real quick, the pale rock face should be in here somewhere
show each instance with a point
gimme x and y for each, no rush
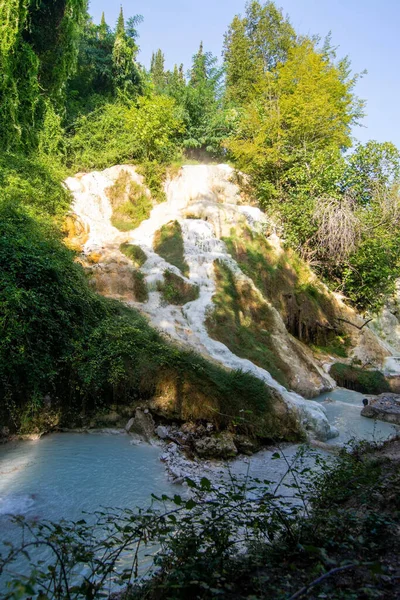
(387, 323)
(208, 194)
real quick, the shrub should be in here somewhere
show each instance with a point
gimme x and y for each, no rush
(331, 533)
(45, 307)
(140, 287)
(145, 130)
(33, 183)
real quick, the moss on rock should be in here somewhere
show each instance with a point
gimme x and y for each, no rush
(168, 243)
(176, 290)
(359, 379)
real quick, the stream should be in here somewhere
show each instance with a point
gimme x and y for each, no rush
(64, 475)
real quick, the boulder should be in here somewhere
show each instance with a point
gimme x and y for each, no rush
(216, 446)
(142, 424)
(385, 407)
(246, 445)
(162, 432)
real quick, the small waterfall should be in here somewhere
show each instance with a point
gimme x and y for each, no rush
(213, 202)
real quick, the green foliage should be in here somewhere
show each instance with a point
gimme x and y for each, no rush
(35, 183)
(176, 290)
(359, 379)
(158, 75)
(130, 203)
(126, 74)
(154, 175)
(140, 287)
(168, 243)
(242, 321)
(253, 45)
(118, 133)
(338, 346)
(371, 273)
(371, 167)
(38, 51)
(135, 253)
(45, 307)
(303, 106)
(201, 101)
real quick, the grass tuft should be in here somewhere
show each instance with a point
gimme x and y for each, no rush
(134, 253)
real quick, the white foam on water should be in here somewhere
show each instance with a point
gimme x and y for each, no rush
(16, 504)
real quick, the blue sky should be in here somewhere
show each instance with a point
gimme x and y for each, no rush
(366, 30)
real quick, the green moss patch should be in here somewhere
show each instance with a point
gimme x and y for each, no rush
(242, 321)
(176, 290)
(168, 243)
(130, 203)
(287, 282)
(134, 253)
(140, 287)
(359, 379)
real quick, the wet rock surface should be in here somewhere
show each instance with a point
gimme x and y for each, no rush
(385, 407)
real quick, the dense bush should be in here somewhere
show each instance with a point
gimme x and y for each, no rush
(122, 132)
(45, 307)
(33, 183)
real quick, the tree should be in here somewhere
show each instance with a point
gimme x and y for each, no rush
(127, 77)
(38, 51)
(157, 71)
(270, 33)
(303, 107)
(103, 28)
(375, 165)
(240, 67)
(120, 28)
(253, 46)
(202, 99)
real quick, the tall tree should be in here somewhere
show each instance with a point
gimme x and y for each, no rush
(202, 98)
(303, 107)
(103, 28)
(158, 72)
(38, 51)
(126, 72)
(253, 46)
(240, 65)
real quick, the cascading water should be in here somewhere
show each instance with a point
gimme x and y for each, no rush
(208, 192)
